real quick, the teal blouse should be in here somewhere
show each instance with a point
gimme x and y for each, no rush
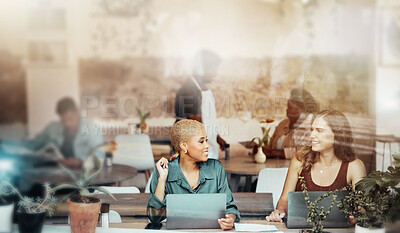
(212, 179)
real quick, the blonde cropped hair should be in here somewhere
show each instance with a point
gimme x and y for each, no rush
(183, 130)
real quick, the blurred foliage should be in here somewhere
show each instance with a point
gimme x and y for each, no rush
(375, 200)
(316, 213)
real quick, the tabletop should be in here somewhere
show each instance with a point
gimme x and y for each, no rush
(139, 226)
(54, 175)
(245, 165)
(280, 226)
(250, 205)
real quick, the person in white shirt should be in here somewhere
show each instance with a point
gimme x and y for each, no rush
(194, 100)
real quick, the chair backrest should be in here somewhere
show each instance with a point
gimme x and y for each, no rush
(147, 189)
(114, 217)
(271, 180)
(135, 151)
(124, 189)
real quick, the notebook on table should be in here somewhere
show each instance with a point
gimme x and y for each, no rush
(297, 211)
(195, 211)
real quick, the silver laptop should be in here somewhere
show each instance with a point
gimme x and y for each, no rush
(195, 211)
(297, 211)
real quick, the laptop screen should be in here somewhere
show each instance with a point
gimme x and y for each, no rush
(297, 210)
(195, 211)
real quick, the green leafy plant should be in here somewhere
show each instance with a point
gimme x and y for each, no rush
(27, 204)
(81, 187)
(264, 140)
(142, 116)
(6, 191)
(375, 200)
(317, 214)
(38, 205)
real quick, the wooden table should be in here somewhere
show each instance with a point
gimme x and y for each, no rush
(250, 205)
(138, 227)
(245, 166)
(54, 175)
(280, 226)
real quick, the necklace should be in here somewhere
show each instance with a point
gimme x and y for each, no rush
(327, 166)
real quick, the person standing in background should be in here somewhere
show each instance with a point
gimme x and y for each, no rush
(194, 100)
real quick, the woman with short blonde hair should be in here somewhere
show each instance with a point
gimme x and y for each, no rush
(190, 171)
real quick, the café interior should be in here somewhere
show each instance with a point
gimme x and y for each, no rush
(123, 63)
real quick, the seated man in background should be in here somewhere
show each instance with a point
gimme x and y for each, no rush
(73, 136)
(293, 131)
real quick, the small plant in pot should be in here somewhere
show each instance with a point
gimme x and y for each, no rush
(375, 200)
(143, 117)
(259, 156)
(7, 196)
(83, 207)
(32, 211)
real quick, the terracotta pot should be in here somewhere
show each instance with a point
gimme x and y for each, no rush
(360, 229)
(143, 127)
(260, 157)
(84, 216)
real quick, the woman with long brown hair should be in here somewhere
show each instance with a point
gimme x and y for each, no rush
(327, 164)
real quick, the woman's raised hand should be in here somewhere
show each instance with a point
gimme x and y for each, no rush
(162, 168)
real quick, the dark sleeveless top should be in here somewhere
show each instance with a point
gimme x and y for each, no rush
(340, 181)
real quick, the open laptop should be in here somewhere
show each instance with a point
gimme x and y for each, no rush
(297, 211)
(195, 211)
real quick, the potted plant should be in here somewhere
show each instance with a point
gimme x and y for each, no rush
(317, 214)
(260, 157)
(375, 200)
(6, 205)
(83, 207)
(32, 211)
(143, 117)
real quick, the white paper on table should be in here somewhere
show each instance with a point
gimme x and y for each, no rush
(254, 227)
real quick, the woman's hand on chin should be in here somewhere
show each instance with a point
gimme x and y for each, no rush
(162, 168)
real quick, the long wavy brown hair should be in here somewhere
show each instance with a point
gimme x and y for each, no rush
(342, 144)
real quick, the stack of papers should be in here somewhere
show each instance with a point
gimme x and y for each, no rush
(254, 227)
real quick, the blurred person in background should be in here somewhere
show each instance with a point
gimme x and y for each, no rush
(194, 100)
(293, 131)
(72, 136)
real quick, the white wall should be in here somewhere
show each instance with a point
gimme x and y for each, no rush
(44, 88)
(387, 96)
(47, 83)
(387, 110)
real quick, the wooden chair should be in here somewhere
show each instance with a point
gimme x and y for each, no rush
(114, 216)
